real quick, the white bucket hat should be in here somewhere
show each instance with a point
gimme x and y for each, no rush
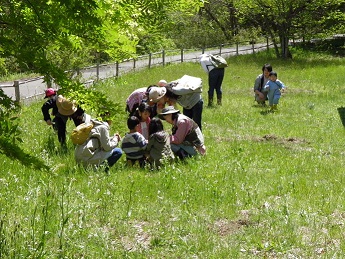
(156, 93)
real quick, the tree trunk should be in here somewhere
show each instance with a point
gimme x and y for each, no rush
(284, 42)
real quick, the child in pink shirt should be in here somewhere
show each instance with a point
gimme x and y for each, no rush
(143, 113)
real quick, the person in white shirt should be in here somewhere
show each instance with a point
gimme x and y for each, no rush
(215, 78)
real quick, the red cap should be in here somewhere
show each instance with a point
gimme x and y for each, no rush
(49, 92)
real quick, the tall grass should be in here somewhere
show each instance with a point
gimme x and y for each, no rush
(270, 186)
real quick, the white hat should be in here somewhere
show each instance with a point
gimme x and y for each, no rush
(162, 82)
(156, 93)
(167, 110)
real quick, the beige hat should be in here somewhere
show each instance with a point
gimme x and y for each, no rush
(162, 82)
(156, 93)
(65, 107)
(167, 110)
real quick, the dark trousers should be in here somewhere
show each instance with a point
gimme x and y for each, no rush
(115, 155)
(215, 80)
(60, 122)
(195, 113)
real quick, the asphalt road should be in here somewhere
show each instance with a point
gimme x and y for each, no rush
(32, 89)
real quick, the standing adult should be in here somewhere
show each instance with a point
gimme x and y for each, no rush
(186, 91)
(215, 78)
(62, 109)
(187, 138)
(260, 82)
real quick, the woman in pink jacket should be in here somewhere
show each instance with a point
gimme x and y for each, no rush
(186, 139)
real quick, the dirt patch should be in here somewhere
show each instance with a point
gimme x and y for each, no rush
(288, 140)
(225, 227)
(139, 240)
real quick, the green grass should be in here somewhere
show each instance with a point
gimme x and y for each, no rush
(13, 77)
(271, 185)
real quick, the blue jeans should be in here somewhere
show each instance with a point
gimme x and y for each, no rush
(195, 113)
(189, 149)
(115, 155)
(215, 80)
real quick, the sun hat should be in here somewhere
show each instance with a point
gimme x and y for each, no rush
(162, 82)
(167, 110)
(65, 107)
(156, 93)
(49, 92)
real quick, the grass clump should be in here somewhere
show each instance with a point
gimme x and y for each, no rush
(270, 186)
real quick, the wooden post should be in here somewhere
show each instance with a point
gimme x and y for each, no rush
(181, 55)
(117, 69)
(268, 47)
(134, 63)
(236, 48)
(16, 90)
(220, 49)
(163, 57)
(253, 47)
(97, 65)
(150, 57)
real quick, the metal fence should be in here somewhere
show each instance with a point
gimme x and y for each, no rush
(31, 89)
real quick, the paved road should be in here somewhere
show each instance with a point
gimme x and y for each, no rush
(34, 88)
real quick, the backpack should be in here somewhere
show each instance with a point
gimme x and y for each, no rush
(81, 133)
(189, 83)
(218, 61)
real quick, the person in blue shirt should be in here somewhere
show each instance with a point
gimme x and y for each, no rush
(273, 87)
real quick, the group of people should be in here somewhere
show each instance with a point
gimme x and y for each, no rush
(146, 141)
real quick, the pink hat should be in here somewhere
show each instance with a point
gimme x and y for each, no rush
(49, 92)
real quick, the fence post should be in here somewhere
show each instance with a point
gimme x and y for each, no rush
(236, 48)
(220, 49)
(134, 63)
(253, 47)
(268, 47)
(16, 90)
(97, 65)
(150, 57)
(117, 69)
(202, 50)
(163, 57)
(181, 55)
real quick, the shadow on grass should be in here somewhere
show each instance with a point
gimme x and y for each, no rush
(266, 112)
(53, 147)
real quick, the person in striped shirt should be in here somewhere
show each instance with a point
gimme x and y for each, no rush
(134, 143)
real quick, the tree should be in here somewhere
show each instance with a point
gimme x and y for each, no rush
(283, 19)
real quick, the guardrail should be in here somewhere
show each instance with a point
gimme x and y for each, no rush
(26, 90)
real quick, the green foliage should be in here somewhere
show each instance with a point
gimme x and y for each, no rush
(289, 19)
(195, 31)
(10, 134)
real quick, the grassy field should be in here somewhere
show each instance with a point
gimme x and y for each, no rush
(271, 185)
